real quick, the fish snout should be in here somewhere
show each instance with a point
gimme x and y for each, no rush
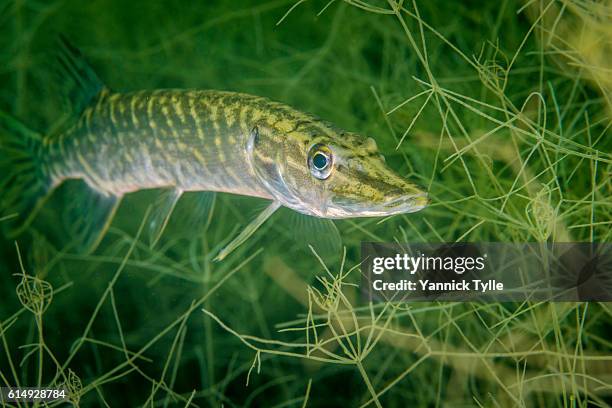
(405, 203)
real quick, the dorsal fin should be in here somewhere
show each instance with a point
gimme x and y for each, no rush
(79, 82)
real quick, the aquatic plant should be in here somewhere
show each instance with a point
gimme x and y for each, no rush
(501, 109)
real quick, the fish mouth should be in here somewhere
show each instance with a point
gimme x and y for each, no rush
(397, 205)
(405, 204)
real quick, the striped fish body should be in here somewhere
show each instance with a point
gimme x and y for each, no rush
(190, 140)
(185, 139)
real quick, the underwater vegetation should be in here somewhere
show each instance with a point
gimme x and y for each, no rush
(501, 111)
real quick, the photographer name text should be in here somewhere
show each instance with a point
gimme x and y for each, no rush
(426, 285)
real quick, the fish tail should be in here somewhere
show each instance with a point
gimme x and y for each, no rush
(23, 182)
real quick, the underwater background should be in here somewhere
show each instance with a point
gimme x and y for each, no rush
(502, 110)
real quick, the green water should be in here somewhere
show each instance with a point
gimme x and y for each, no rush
(130, 326)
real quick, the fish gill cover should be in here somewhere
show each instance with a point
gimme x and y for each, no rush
(501, 111)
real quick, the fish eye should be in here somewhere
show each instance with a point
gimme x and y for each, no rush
(320, 161)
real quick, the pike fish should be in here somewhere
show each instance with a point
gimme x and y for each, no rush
(193, 140)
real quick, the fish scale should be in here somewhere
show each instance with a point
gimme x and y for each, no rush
(197, 140)
(153, 139)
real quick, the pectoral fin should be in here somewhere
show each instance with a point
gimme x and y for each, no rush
(160, 214)
(248, 230)
(320, 234)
